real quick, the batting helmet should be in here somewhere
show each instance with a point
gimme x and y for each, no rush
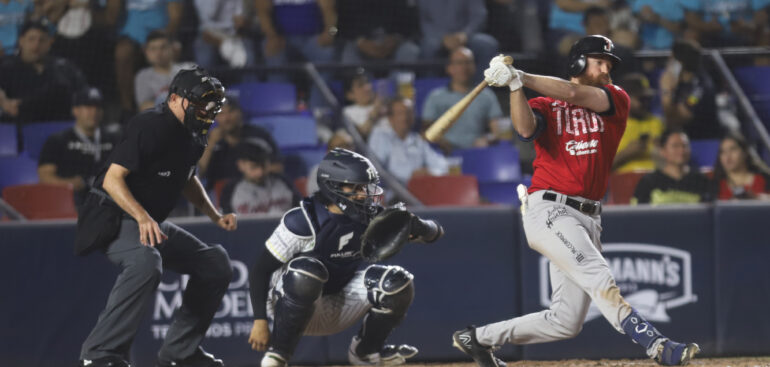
(341, 166)
(587, 46)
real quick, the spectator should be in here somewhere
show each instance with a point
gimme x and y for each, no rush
(675, 182)
(12, 16)
(74, 156)
(151, 83)
(724, 23)
(340, 139)
(366, 109)
(643, 128)
(661, 22)
(304, 27)
(738, 174)
(448, 25)
(377, 30)
(219, 159)
(476, 127)
(403, 152)
(141, 18)
(688, 94)
(33, 85)
(259, 190)
(565, 22)
(86, 36)
(221, 38)
(596, 20)
(515, 25)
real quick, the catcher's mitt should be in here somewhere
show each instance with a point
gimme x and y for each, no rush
(386, 234)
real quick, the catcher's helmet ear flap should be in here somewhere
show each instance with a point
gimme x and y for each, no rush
(589, 46)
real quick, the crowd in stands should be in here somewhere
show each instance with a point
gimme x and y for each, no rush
(98, 63)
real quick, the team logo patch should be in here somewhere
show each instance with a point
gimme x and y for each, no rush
(652, 278)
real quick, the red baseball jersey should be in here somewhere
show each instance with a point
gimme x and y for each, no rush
(576, 147)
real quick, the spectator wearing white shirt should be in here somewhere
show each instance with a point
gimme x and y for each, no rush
(402, 151)
(221, 38)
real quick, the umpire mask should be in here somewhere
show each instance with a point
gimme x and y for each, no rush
(205, 96)
(350, 181)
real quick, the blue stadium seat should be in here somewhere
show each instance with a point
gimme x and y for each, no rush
(704, 152)
(8, 143)
(423, 87)
(17, 170)
(754, 79)
(499, 163)
(259, 99)
(290, 131)
(35, 134)
(298, 161)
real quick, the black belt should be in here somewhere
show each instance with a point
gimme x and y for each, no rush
(588, 206)
(106, 199)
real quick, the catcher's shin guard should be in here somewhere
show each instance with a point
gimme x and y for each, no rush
(390, 291)
(303, 283)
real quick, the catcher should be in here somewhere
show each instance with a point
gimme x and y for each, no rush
(309, 278)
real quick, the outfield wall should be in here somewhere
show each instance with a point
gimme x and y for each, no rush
(699, 272)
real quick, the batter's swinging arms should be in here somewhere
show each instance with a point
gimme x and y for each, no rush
(576, 129)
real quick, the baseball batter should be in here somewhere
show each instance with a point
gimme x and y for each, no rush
(576, 129)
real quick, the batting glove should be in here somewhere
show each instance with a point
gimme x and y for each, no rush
(499, 74)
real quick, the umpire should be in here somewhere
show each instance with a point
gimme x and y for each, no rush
(125, 217)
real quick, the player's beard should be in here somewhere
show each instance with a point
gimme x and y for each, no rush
(595, 81)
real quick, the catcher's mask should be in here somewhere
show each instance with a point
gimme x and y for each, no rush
(205, 95)
(350, 181)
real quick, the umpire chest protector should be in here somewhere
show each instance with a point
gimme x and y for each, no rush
(337, 243)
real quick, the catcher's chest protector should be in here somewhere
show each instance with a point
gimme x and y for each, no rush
(337, 243)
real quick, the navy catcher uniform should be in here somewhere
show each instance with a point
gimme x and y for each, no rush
(310, 277)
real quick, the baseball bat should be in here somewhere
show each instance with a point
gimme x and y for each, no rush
(446, 120)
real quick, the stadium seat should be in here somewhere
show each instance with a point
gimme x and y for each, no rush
(753, 79)
(17, 170)
(35, 134)
(300, 183)
(622, 186)
(423, 87)
(9, 146)
(704, 152)
(290, 131)
(499, 163)
(445, 190)
(298, 161)
(41, 201)
(259, 99)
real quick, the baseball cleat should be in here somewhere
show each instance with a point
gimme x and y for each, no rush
(390, 355)
(273, 359)
(199, 358)
(465, 340)
(110, 361)
(670, 353)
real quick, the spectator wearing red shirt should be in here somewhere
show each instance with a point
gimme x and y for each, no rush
(738, 174)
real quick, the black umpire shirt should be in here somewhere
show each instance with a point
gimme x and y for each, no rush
(75, 154)
(161, 156)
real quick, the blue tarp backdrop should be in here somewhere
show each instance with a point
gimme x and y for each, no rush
(698, 272)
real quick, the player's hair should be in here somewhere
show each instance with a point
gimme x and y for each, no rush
(667, 133)
(593, 11)
(158, 34)
(753, 164)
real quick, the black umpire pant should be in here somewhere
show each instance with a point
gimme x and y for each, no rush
(210, 273)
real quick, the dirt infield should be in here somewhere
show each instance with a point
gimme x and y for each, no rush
(709, 362)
